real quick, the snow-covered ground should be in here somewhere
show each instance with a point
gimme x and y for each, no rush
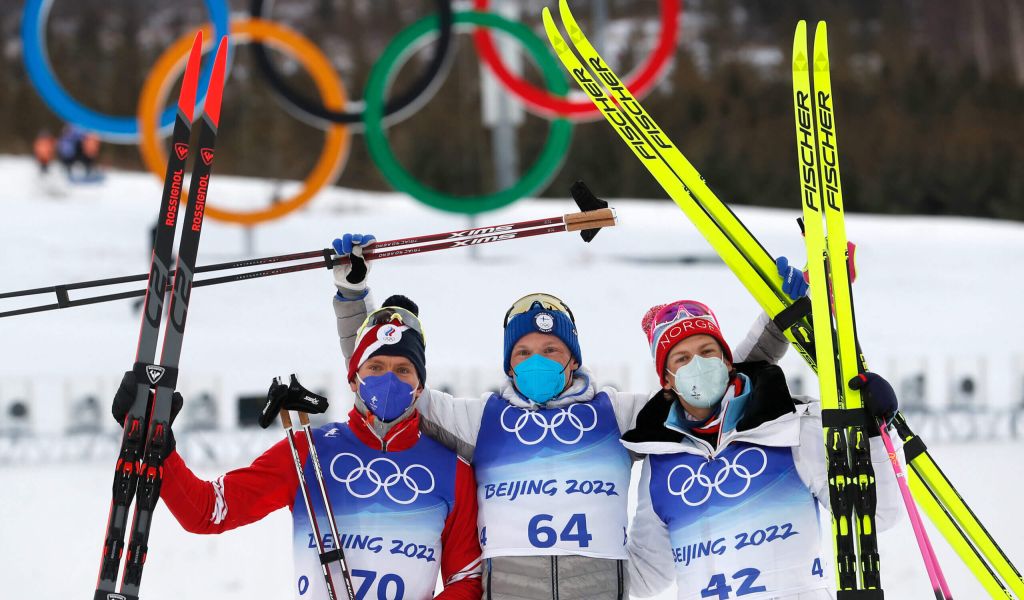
(940, 294)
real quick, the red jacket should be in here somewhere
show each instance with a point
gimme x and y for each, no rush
(248, 494)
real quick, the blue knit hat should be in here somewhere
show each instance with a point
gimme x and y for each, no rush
(543, 316)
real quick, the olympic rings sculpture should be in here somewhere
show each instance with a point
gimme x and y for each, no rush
(333, 113)
(336, 142)
(564, 419)
(365, 475)
(40, 73)
(408, 102)
(544, 103)
(705, 486)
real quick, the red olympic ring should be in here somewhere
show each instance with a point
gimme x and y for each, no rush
(544, 103)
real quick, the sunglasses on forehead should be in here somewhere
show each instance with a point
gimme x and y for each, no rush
(681, 310)
(393, 314)
(545, 301)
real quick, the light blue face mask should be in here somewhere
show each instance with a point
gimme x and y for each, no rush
(540, 379)
(702, 381)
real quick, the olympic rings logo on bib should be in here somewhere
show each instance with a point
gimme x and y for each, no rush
(532, 426)
(731, 480)
(402, 486)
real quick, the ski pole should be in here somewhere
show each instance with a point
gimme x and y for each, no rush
(584, 222)
(338, 553)
(931, 563)
(286, 422)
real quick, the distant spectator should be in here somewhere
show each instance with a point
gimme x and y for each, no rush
(69, 147)
(90, 151)
(44, 147)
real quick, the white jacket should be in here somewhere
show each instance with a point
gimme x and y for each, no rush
(651, 564)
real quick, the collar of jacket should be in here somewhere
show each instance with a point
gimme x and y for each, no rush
(400, 437)
(581, 389)
(768, 416)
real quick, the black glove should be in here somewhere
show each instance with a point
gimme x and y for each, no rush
(290, 397)
(877, 395)
(125, 397)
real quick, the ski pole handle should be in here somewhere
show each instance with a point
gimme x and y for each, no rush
(286, 419)
(591, 219)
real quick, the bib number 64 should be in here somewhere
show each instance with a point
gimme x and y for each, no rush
(543, 535)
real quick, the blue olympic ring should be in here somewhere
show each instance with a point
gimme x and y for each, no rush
(40, 72)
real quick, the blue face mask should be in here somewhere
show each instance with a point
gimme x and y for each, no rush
(702, 381)
(386, 396)
(540, 379)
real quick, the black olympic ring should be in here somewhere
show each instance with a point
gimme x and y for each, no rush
(315, 113)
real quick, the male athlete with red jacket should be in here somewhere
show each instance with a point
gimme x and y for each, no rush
(405, 505)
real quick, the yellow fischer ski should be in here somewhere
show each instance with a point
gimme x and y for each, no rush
(836, 452)
(754, 266)
(842, 415)
(734, 244)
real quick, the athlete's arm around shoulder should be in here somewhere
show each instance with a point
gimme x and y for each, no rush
(810, 463)
(236, 498)
(627, 406)
(455, 422)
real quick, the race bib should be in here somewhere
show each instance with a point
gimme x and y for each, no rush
(552, 481)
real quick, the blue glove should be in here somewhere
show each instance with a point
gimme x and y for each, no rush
(352, 275)
(350, 241)
(877, 395)
(792, 279)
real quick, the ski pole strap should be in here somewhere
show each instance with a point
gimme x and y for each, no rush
(329, 257)
(846, 417)
(156, 374)
(914, 447)
(793, 313)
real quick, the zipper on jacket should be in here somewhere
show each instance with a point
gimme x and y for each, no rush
(554, 578)
(618, 568)
(490, 593)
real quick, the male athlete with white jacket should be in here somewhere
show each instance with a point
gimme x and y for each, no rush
(734, 476)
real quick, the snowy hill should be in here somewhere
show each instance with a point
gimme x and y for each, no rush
(934, 295)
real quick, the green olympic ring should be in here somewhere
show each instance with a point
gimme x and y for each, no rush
(547, 163)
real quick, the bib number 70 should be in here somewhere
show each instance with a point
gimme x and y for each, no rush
(718, 588)
(544, 536)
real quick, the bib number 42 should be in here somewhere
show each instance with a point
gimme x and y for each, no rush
(718, 588)
(543, 535)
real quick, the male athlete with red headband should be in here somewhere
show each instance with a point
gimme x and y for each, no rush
(734, 470)
(405, 505)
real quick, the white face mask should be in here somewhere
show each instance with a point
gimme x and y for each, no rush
(702, 381)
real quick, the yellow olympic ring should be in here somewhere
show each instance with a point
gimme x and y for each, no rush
(336, 140)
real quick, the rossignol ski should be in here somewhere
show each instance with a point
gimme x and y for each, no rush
(135, 424)
(755, 268)
(848, 459)
(158, 379)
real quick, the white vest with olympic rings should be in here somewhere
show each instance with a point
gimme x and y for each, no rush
(552, 481)
(741, 524)
(390, 508)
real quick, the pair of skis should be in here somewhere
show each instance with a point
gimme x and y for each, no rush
(850, 474)
(138, 474)
(756, 270)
